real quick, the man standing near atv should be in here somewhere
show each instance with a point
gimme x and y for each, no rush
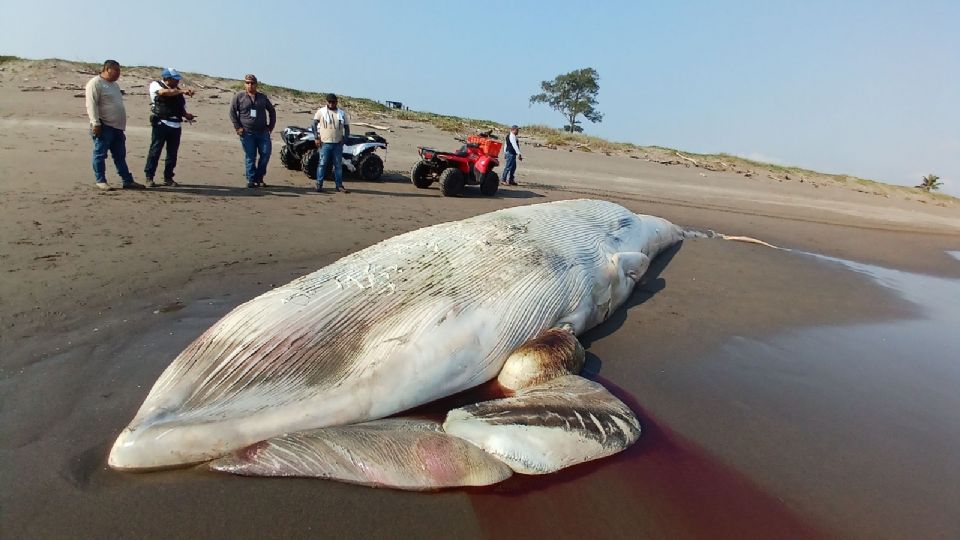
(108, 120)
(248, 112)
(330, 127)
(511, 153)
(168, 110)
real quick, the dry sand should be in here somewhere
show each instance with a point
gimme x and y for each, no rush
(99, 291)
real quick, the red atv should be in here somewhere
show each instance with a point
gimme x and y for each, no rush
(473, 165)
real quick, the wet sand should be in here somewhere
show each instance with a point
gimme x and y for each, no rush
(781, 395)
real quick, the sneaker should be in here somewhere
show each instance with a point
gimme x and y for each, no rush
(170, 183)
(251, 185)
(151, 184)
(319, 188)
(262, 183)
(512, 183)
(104, 186)
(342, 190)
(133, 185)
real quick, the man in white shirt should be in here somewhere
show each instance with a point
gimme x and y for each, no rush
(511, 153)
(331, 127)
(108, 120)
(168, 110)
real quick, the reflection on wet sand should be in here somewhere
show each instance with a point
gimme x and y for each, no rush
(663, 487)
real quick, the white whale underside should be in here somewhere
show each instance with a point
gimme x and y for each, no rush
(412, 319)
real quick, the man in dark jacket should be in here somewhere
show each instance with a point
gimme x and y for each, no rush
(248, 112)
(168, 110)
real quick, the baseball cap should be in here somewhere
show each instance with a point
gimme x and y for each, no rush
(170, 73)
(514, 127)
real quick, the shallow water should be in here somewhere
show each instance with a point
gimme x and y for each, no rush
(856, 426)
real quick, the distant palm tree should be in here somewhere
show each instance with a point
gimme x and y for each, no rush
(930, 183)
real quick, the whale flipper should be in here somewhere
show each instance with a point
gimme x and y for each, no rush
(403, 453)
(548, 427)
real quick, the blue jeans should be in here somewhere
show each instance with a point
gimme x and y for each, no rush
(509, 168)
(114, 141)
(331, 153)
(253, 142)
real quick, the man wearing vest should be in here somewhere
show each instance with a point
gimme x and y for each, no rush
(331, 127)
(108, 120)
(248, 112)
(511, 153)
(168, 110)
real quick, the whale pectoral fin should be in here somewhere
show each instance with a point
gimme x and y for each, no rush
(548, 427)
(402, 453)
(632, 264)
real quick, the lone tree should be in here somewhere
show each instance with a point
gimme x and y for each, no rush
(930, 183)
(572, 94)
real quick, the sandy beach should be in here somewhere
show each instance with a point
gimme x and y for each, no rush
(782, 394)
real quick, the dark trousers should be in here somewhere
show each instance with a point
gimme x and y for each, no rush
(162, 135)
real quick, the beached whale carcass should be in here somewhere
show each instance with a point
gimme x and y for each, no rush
(409, 320)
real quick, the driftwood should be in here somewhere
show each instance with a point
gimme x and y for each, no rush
(374, 126)
(685, 158)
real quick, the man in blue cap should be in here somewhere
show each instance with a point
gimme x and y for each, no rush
(168, 108)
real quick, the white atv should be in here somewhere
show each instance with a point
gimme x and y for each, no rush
(299, 153)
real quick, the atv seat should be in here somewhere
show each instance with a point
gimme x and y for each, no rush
(460, 153)
(355, 139)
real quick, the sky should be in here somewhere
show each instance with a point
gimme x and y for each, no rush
(865, 88)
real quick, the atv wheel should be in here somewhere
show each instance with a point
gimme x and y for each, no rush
(451, 182)
(420, 175)
(489, 183)
(370, 167)
(309, 162)
(289, 160)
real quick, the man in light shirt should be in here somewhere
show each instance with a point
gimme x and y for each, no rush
(168, 108)
(511, 153)
(331, 128)
(108, 120)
